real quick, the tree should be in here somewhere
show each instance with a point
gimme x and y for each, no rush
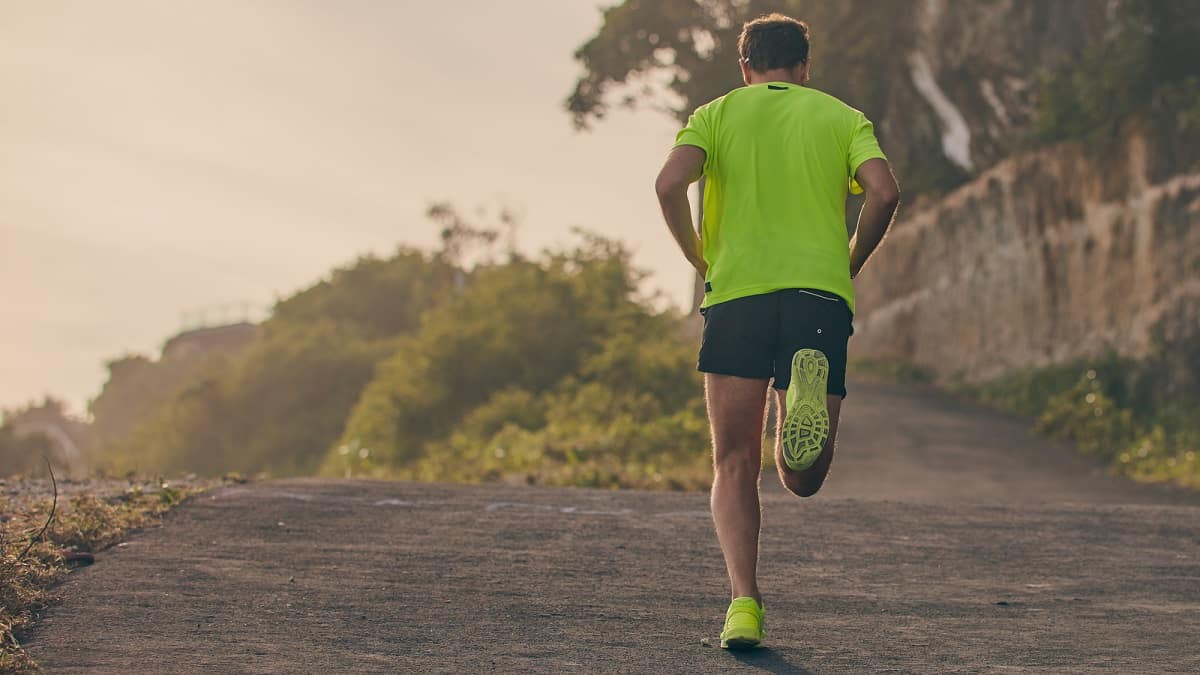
(686, 51)
(37, 433)
(685, 44)
(1148, 63)
(22, 453)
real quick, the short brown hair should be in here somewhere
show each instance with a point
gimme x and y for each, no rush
(773, 41)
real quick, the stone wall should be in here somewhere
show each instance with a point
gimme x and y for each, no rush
(1045, 257)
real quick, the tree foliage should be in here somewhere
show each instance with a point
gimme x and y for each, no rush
(557, 351)
(690, 47)
(1148, 63)
(135, 389)
(22, 453)
(35, 434)
(373, 298)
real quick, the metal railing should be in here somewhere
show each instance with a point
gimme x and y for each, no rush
(226, 314)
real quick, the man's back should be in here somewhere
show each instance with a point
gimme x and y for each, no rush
(780, 159)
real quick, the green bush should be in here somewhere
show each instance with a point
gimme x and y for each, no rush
(1139, 416)
(1148, 64)
(550, 371)
(1086, 415)
(641, 424)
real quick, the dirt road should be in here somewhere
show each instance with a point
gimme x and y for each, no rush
(948, 539)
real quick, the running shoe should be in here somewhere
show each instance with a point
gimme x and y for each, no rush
(743, 624)
(806, 426)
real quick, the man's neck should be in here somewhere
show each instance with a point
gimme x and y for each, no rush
(775, 75)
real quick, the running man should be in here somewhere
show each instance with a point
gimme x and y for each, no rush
(778, 160)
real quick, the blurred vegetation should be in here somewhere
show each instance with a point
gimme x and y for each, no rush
(22, 453)
(27, 443)
(549, 371)
(892, 370)
(1139, 416)
(469, 363)
(136, 386)
(1148, 64)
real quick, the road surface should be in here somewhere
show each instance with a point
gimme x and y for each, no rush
(948, 539)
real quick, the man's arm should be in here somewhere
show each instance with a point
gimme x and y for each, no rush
(684, 166)
(883, 195)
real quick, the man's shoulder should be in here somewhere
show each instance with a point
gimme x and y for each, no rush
(812, 96)
(832, 102)
(714, 104)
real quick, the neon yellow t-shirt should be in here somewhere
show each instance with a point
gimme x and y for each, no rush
(780, 159)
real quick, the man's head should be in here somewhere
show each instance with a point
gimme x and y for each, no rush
(774, 48)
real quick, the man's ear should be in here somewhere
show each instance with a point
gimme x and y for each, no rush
(745, 71)
(804, 71)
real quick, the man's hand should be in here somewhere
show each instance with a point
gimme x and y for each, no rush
(684, 166)
(883, 195)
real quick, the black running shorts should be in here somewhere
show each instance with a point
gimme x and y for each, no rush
(757, 335)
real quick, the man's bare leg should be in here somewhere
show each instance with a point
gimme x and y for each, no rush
(736, 407)
(806, 483)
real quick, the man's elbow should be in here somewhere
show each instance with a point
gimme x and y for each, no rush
(892, 198)
(887, 195)
(667, 186)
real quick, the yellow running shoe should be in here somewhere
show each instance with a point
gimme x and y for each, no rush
(806, 426)
(743, 624)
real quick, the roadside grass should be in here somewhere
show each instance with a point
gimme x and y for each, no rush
(663, 472)
(1137, 416)
(673, 454)
(902, 372)
(1133, 415)
(82, 524)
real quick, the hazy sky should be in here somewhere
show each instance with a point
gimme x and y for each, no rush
(159, 157)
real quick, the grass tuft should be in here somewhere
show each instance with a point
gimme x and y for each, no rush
(88, 522)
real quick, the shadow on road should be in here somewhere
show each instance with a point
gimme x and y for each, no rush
(768, 660)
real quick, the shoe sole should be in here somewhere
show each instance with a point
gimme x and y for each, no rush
(806, 425)
(736, 644)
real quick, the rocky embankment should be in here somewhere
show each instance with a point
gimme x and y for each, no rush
(1050, 255)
